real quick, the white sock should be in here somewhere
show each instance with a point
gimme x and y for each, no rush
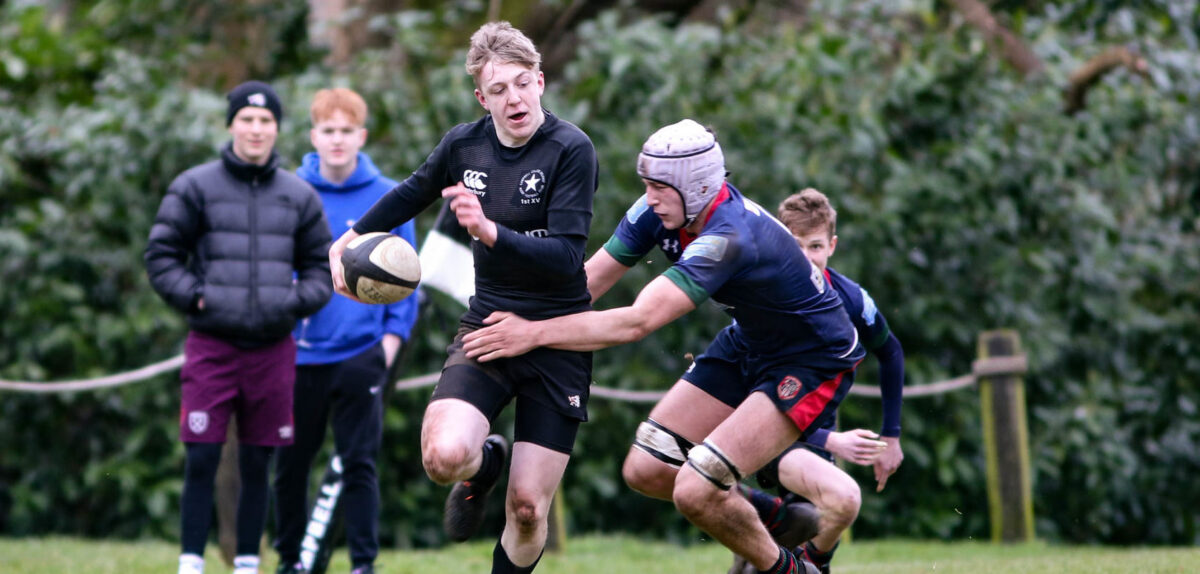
(245, 564)
(191, 564)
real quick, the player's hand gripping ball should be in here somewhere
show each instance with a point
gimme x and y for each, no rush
(380, 268)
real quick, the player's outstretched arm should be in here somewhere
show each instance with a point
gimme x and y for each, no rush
(859, 446)
(507, 335)
(603, 271)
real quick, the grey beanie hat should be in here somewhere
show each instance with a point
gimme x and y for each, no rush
(687, 157)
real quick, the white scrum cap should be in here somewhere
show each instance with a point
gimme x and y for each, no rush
(687, 157)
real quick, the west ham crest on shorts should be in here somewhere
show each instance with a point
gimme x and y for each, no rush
(788, 388)
(198, 421)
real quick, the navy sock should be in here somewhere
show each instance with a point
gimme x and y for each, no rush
(771, 509)
(489, 467)
(783, 565)
(502, 565)
(817, 557)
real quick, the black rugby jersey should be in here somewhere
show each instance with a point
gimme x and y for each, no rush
(540, 197)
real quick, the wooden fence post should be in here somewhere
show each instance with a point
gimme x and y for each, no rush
(556, 535)
(1005, 440)
(228, 485)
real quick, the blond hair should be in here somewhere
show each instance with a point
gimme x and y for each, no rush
(808, 212)
(500, 43)
(345, 100)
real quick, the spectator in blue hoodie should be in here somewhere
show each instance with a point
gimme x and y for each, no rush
(344, 351)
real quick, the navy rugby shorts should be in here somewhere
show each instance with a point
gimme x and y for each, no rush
(805, 387)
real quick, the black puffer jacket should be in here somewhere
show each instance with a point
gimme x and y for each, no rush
(252, 240)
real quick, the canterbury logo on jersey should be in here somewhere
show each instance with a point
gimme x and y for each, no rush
(473, 180)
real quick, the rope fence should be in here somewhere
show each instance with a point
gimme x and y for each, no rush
(990, 366)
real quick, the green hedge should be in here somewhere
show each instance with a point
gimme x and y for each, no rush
(968, 202)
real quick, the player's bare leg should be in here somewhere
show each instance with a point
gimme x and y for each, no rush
(456, 449)
(452, 435)
(833, 491)
(533, 478)
(687, 411)
(754, 434)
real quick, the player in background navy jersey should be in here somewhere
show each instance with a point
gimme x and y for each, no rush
(520, 181)
(775, 375)
(809, 471)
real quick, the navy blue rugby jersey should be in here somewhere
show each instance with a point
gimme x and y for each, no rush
(872, 327)
(540, 197)
(748, 263)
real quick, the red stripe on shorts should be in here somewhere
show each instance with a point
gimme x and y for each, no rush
(807, 409)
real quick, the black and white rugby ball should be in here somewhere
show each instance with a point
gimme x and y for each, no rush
(380, 268)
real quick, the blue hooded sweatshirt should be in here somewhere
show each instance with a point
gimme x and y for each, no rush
(345, 328)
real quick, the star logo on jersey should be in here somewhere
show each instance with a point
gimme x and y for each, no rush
(531, 187)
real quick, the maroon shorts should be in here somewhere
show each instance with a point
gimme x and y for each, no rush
(220, 379)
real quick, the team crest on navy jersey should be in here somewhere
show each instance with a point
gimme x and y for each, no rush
(788, 388)
(818, 279)
(532, 185)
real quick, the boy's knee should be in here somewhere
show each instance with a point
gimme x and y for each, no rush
(843, 503)
(693, 494)
(526, 512)
(654, 480)
(443, 460)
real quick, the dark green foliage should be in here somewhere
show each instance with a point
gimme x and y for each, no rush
(967, 199)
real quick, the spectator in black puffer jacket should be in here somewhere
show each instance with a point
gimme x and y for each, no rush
(240, 247)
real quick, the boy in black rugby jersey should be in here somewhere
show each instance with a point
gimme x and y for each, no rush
(520, 181)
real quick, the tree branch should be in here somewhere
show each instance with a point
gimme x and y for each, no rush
(1075, 94)
(1012, 49)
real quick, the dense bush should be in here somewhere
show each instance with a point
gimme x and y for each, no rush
(968, 202)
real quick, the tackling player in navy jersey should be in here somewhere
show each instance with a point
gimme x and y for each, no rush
(520, 181)
(809, 472)
(775, 375)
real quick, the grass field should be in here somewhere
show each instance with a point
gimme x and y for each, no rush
(619, 555)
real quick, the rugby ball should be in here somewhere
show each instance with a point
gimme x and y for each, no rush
(380, 268)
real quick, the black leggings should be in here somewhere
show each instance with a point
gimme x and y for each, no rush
(197, 502)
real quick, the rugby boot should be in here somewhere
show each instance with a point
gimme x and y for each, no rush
(799, 524)
(468, 499)
(802, 566)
